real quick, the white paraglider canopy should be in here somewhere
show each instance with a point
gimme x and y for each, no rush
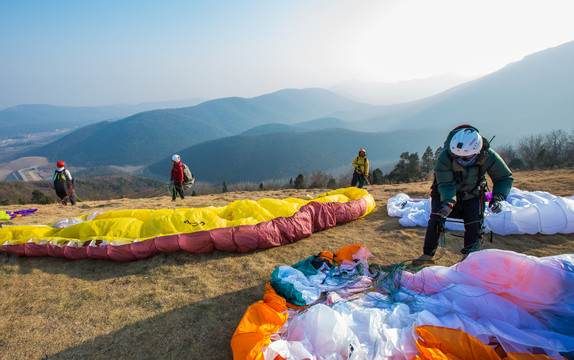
(523, 212)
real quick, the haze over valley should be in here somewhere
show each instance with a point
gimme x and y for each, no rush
(292, 131)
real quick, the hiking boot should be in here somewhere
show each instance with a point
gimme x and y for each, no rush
(423, 260)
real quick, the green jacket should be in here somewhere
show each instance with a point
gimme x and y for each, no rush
(452, 178)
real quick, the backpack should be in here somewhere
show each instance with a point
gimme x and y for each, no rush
(188, 178)
(60, 183)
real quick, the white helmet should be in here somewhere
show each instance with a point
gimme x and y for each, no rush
(175, 158)
(466, 142)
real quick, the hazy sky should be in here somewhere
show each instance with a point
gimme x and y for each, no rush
(86, 52)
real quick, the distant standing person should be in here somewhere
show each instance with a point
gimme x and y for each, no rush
(64, 184)
(361, 172)
(177, 177)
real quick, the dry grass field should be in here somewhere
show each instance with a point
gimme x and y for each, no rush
(186, 306)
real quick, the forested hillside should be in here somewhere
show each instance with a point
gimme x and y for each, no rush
(282, 155)
(147, 137)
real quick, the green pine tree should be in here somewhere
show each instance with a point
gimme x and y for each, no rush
(377, 177)
(299, 182)
(332, 184)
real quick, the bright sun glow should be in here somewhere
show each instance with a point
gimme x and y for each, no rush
(128, 52)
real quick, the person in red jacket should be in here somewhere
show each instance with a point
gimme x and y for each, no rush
(177, 177)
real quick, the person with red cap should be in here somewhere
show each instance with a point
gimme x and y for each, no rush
(64, 184)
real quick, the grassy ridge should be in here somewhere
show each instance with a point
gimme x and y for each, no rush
(99, 188)
(186, 306)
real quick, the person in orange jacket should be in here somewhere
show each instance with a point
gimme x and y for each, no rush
(361, 173)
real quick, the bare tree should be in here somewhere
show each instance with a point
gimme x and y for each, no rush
(344, 179)
(556, 144)
(319, 179)
(570, 149)
(530, 149)
(507, 153)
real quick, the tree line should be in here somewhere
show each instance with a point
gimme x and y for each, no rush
(410, 167)
(552, 150)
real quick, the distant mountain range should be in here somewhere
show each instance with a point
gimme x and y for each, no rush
(36, 118)
(531, 96)
(147, 137)
(257, 157)
(296, 131)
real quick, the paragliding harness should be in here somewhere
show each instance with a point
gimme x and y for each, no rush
(64, 188)
(483, 189)
(188, 178)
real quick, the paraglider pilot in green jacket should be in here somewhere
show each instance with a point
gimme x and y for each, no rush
(459, 180)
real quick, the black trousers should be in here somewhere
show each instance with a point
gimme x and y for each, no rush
(358, 178)
(177, 189)
(72, 197)
(467, 210)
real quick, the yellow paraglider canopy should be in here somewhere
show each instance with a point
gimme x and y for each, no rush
(128, 226)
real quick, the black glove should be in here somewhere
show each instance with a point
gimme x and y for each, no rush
(495, 205)
(445, 210)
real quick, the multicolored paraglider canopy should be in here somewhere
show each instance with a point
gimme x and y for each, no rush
(494, 305)
(240, 226)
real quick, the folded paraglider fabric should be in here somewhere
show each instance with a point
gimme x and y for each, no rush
(9, 215)
(240, 226)
(494, 305)
(523, 212)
